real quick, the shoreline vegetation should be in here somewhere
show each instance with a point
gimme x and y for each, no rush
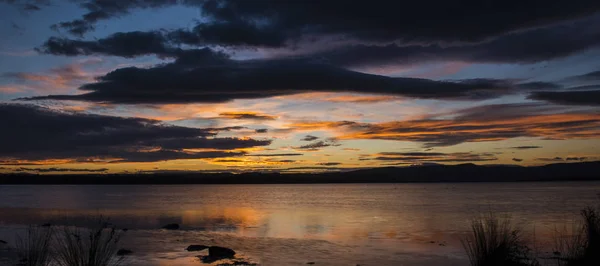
(493, 240)
(583, 171)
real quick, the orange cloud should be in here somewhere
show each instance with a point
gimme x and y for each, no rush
(446, 132)
(247, 115)
(11, 90)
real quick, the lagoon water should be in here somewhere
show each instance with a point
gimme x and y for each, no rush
(329, 224)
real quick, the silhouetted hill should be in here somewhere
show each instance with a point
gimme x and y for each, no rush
(429, 173)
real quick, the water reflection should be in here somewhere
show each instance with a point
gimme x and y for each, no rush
(386, 218)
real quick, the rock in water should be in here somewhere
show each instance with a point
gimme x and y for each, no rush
(123, 252)
(171, 226)
(220, 252)
(196, 247)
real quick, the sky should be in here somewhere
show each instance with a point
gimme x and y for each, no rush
(146, 86)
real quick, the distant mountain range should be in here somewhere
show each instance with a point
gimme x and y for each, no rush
(426, 173)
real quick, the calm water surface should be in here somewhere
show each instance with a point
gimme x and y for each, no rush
(329, 224)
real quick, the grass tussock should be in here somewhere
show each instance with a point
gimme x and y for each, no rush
(70, 246)
(34, 247)
(582, 247)
(88, 247)
(496, 242)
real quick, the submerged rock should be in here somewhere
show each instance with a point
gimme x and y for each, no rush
(123, 252)
(171, 226)
(220, 252)
(196, 247)
(216, 253)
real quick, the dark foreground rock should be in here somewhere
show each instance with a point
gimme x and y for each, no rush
(171, 226)
(220, 252)
(123, 252)
(196, 247)
(3, 242)
(216, 253)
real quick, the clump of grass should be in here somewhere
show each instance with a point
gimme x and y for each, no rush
(96, 246)
(496, 242)
(34, 248)
(582, 248)
(570, 246)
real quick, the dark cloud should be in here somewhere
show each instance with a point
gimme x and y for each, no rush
(55, 169)
(274, 22)
(576, 158)
(130, 44)
(525, 147)
(517, 159)
(329, 163)
(309, 138)
(250, 79)
(28, 5)
(246, 115)
(228, 161)
(588, 98)
(275, 154)
(555, 159)
(285, 161)
(416, 157)
(591, 76)
(261, 130)
(315, 146)
(37, 134)
(106, 9)
(520, 47)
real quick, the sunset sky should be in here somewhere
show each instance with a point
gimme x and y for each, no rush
(107, 86)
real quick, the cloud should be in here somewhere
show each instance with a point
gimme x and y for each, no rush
(246, 115)
(555, 159)
(512, 45)
(517, 159)
(55, 169)
(38, 134)
(416, 157)
(105, 9)
(587, 98)
(359, 99)
(525, 147)
(591, 76)
(275, 154)
(478, 124)
(261, 130)
(57, 79)
(212, 82)
(315, 146)
(576, 158)
(329, 163)
(28, 5)
(309, 138)
(527, 46)
(275, 23)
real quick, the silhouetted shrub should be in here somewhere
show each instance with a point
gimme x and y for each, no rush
(34, 248)
(495, 242)
(96, 246)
